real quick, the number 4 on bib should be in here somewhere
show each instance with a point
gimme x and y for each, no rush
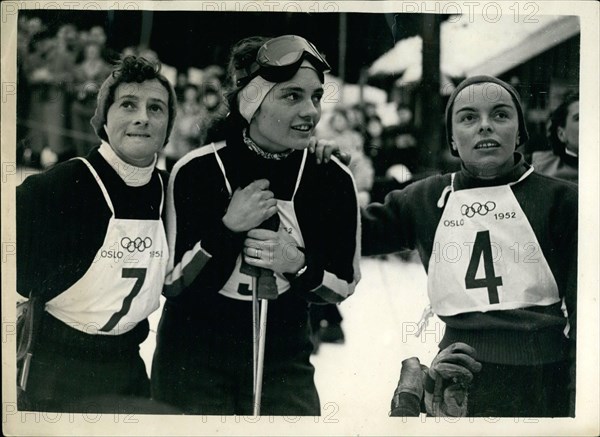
(483, 248)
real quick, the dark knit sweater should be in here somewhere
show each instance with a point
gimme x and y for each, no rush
(325, 205)
(62, 218)
(527, 336)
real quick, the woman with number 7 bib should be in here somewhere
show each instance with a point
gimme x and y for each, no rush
(92, 252)
(499, 243)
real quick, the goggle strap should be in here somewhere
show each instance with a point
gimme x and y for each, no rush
(246, 73)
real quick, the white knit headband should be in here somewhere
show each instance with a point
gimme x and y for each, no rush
(252, 95)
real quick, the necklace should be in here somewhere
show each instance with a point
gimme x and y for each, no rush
(262, 153)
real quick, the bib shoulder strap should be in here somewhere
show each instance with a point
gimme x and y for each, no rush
(527, 173)
(162, 194)
(100, 183)
(447, 189)
(300, 172)
(222, 167)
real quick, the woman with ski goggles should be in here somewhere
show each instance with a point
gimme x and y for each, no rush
(249, 219)
(278, 60)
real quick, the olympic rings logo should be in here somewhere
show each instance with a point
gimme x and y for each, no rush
(138, 244)
(477, 208)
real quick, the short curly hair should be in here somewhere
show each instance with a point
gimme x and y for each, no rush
(131, 69)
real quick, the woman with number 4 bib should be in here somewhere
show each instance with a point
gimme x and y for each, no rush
(499, 243)
(255, 199)
(92, 252)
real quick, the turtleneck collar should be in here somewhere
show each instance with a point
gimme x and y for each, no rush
(466, 179)
(132, 175)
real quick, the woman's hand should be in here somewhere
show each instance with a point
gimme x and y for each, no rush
(323, 149)
(276, 251)
(456, 362)
(452, 370)
(250, 206)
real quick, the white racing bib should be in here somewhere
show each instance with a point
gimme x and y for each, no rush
(239, 285)
(123, 285)
(486, 256)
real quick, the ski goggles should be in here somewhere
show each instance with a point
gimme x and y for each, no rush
(279, 59)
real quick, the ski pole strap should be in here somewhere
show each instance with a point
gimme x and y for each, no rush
(422, 324)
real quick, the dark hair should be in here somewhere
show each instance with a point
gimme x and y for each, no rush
(243, 54)
(129, 70)
(558, 118)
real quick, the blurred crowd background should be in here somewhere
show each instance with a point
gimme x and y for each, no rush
(386, 116)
